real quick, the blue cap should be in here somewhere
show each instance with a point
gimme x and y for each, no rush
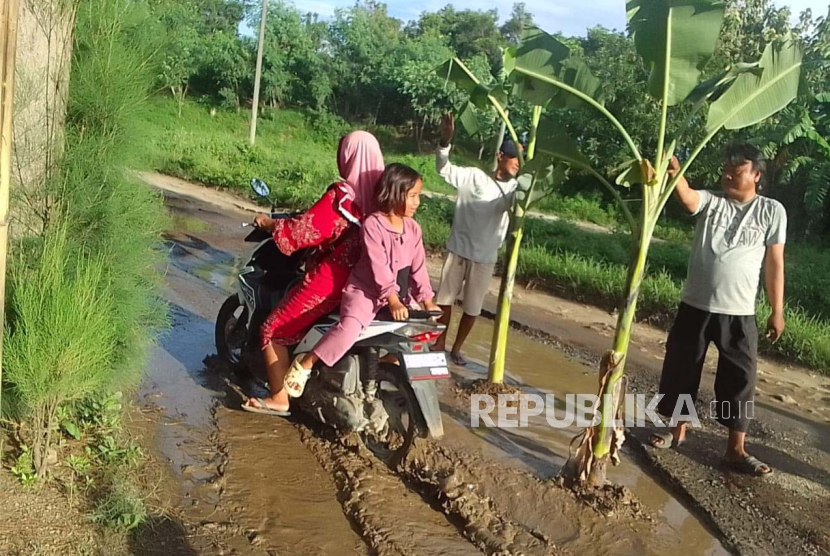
(508, 149)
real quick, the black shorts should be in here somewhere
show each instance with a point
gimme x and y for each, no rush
(736, 338)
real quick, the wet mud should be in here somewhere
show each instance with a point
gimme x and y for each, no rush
(266, 485)
(781, 514)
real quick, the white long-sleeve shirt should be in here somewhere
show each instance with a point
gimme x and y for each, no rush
(480, 222)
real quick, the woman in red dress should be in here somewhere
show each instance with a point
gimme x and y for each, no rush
(330, 227)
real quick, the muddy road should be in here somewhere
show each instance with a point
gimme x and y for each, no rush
(254, 484)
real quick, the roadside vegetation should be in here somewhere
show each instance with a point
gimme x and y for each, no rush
(82, 302)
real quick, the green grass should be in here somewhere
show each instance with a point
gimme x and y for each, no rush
(120, 507)
(295, 154)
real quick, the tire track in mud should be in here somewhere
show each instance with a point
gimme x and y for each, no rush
(448, 501)
(392, 519)
(446, 478)
(549, 518)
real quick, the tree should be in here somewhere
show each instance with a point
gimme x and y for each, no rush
(676, 39)
(470, 32)
(428, 94)
(294, 68)
(225, 65)
(201, 47)
(798, 172)
(182, 48)
(428, 97)
(363, 41)
(220, 16)
(519, 19)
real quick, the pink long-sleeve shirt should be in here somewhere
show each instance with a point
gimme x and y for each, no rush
(385, 252)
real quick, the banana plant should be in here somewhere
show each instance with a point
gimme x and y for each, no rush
(676, 39)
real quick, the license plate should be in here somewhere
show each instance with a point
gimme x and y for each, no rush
(425, 360)
(426, 366)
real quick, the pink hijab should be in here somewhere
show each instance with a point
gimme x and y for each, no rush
(360, 163)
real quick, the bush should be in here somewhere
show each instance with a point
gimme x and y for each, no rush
(82, 304)
(60, 343)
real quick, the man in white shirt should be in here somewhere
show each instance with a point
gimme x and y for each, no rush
(478, 229)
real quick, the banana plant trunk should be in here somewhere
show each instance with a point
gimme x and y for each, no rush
(602, 442)
(498, 347)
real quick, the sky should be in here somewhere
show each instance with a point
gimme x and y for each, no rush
(572, 17)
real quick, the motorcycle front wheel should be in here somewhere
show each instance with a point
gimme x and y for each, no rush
(231, 330)
(398, 399)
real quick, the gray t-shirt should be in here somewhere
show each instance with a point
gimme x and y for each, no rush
(728, 251)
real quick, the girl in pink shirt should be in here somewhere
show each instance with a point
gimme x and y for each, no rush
(392, 241)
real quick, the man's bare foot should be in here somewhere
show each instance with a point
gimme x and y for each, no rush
(436, 347)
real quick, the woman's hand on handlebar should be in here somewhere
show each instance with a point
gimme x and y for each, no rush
(398, 309)
(265, 222)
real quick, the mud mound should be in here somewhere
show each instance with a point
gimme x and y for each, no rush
(610, 500)
(449, 481)
(484, 387)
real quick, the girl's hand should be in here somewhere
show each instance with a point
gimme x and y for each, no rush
(264, 222)
(398, 309)
(431, 306)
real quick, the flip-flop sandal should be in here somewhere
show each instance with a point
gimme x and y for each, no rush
(458, 359)
(298, 376)
(667, 438)
(264, 410)
(749, 466)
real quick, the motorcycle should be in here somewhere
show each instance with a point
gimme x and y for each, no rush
(388, 402)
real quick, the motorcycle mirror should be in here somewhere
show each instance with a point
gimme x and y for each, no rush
(260, 187)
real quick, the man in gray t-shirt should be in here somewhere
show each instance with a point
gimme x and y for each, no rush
(737, 233)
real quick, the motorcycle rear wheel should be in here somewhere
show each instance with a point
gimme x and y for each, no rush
(404, 417)
(231, 330)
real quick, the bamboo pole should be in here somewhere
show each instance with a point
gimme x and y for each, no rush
(8, 40)
(258, 76)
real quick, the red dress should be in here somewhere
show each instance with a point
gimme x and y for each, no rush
(331, 226)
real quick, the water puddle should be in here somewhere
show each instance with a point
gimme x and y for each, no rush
(236, 471)
(539, 369)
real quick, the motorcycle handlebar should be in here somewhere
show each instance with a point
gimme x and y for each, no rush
(386, 315)
(273, 216)
(424, 315)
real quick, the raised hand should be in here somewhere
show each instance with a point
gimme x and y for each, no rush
(447, 129)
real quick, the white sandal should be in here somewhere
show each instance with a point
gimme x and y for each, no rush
(297, 375)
